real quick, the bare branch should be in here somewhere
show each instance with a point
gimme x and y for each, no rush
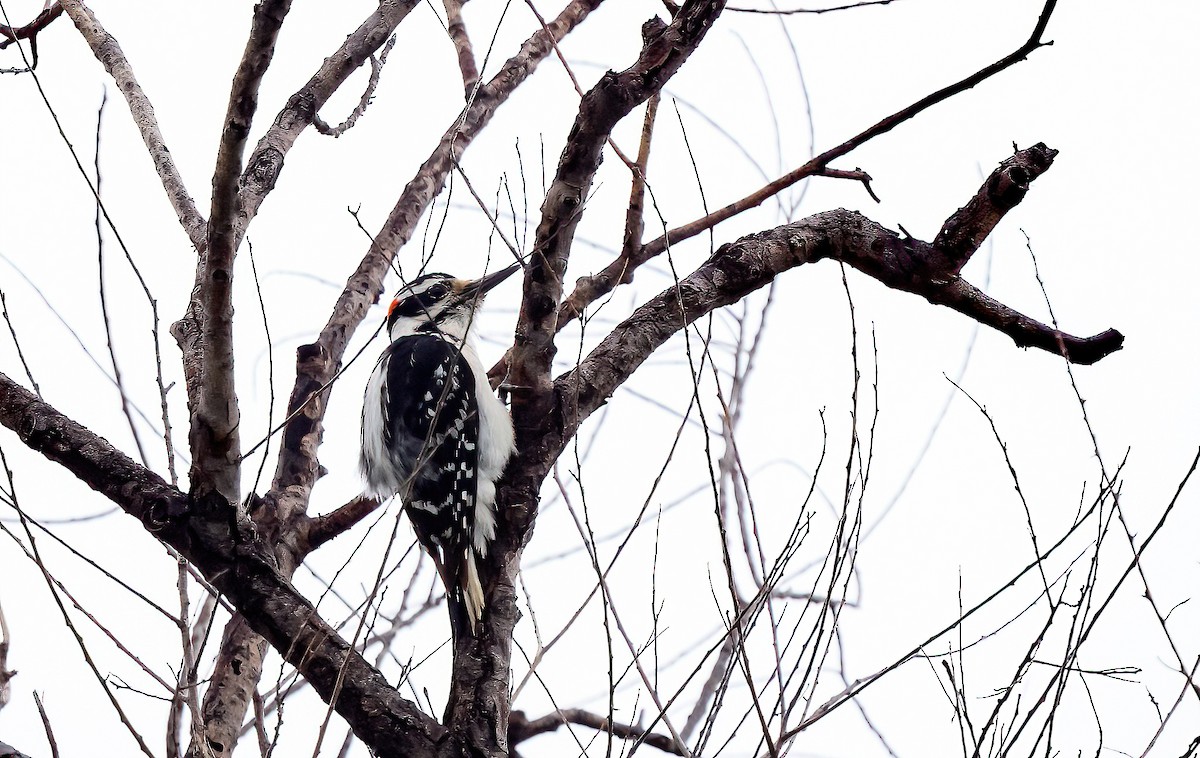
(821, 161)
(108, 51)
(324, 528)
(12, 331)
(737, 269)
(965, 231)
(521, 728)
(796, 11)
(46, 725)
(236, 672)
(13, 33)
(621, 271)
(665, 49)
(462, 45)
(363, 102)
(215, 440)
(29, 31)
(634, 223)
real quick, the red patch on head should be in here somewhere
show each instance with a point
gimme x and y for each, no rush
(392, 307)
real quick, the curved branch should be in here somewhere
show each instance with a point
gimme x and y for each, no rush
(11, 34)
(965, 231)
(238, 563)
(364, 102)
(735, 270)
(29, 31)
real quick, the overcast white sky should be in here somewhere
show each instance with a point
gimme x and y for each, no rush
(1112, 224)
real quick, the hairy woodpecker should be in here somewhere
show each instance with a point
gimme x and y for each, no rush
(434, 432)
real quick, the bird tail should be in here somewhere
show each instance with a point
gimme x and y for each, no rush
(472, 589)
(464, 592)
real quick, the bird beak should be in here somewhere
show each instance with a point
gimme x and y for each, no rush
(479, 287)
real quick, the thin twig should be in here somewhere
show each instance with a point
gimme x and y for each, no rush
(55, 588)
(364, 102)
(46, 724)
(522, 728)
(108, 333)
(795, 11)
(12, 331)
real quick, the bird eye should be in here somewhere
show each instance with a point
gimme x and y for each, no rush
(437, 291)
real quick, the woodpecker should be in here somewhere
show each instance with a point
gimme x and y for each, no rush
(434, 433)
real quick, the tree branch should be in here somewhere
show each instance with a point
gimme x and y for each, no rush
(462, 46)
(522, 728)
(737, 269)
(108, 51)
(621, 271)
(238, 563)
(364, 102)
(266, 161)
(1005, 188)
(324, 528)
(214, 437)
(29, 31)
(665, 49)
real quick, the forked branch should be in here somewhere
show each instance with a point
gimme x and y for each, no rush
(10, 34)
(215, 440)
(898, 261)
(665, 49)
(621, 270)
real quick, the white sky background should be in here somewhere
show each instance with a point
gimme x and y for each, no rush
(1110, 223)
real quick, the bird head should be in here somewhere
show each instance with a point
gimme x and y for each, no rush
(439, 303)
